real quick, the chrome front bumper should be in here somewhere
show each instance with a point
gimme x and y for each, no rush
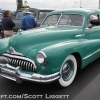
(17, 75)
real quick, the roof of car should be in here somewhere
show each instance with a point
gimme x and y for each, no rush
(78, 11)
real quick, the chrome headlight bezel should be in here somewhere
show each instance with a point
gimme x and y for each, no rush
(41, 57)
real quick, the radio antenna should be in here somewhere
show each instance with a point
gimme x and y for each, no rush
(61, 13)
(64, 4)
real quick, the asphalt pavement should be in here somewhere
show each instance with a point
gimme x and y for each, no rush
(86, 86)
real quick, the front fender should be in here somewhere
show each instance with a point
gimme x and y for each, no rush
(56, 53)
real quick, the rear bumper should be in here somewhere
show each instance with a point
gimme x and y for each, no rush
(17, 75)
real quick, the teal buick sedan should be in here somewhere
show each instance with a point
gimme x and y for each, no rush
(67, 40)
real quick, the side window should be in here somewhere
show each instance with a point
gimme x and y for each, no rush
(71, 19)
(93, 19)
(32, 13)
(65, 20)
(42, 14)
(51, 20)
(19, 15)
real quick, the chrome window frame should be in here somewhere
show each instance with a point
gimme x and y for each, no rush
(66, 14)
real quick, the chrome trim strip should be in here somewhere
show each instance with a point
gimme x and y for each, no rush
(40, 78)
(21, 57)
(9, 66)
(91, 54)
(18, 75)
(8, 77)
(7, 70)
(93, 27)
(79, 35)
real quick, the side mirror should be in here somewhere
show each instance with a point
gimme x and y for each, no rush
(90, 26)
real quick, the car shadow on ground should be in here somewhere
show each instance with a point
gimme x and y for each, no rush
(83, 78)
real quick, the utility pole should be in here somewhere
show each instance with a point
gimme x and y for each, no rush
(75, 4)
(80, 4)
(99, 4)
(25, 2)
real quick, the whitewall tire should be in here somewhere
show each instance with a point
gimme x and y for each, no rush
(68, 71)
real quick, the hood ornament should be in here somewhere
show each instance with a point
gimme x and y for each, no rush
(11, 50)
(19, 31)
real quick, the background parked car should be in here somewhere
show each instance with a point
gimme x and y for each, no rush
(39, 15)
(1, 27)
(2, 11)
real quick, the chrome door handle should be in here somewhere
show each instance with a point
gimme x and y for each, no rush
(80, 35)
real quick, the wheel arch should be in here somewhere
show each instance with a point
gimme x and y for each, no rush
(78, 59)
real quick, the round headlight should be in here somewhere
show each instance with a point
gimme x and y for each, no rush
(41, 57)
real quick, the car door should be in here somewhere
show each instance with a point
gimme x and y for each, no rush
(93, 34)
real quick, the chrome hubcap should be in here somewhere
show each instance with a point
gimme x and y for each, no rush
(67, 70)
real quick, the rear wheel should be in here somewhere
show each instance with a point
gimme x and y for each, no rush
(68, 71)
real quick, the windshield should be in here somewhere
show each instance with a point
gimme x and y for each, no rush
(66, 20)
(20, 14)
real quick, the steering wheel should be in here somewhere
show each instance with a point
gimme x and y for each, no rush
(77, 23)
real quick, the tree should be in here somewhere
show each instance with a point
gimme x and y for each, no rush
(20, 5)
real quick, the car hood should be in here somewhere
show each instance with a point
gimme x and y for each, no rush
(41, 37)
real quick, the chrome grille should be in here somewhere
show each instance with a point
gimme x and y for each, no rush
(25, 64)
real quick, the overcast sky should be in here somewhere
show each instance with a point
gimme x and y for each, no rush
(55, 4)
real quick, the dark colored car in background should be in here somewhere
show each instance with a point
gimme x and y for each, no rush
(38, 14)
(1, 27)
(1, 16)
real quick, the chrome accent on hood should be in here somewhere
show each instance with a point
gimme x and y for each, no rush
(12, 51)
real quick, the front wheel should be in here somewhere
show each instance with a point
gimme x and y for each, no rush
(68, 71)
